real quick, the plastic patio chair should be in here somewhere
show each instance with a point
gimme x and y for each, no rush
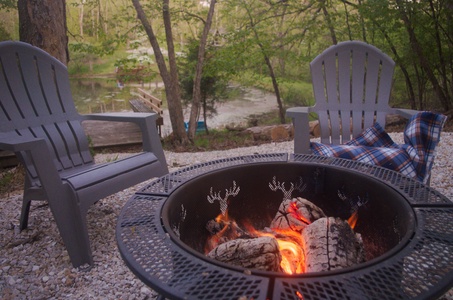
(40, 124)
(352, 82)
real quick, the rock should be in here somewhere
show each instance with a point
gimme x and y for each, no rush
(279, 133)
(275, 133)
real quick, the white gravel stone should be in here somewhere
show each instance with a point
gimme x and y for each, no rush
(52, 275)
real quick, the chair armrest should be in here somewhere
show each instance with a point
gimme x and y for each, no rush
(38, 152)
(301, 125)
(147, 124)
(405, 113)
(134, 117)
(16, 143)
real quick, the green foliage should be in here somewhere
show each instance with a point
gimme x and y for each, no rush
(136, 68)
(297, 93)
(291, 33)
(4, 34)
(8, 4)
(107, 47)
(5, 180)
(213, 82)
(9, 29)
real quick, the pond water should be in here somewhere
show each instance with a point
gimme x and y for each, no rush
(104, 95)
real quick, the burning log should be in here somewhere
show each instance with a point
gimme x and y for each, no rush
(300, 239)
(223, 231)
(260, 253)
(296, 214)
(331, 244)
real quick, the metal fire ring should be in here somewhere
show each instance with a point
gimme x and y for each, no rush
(423, 269)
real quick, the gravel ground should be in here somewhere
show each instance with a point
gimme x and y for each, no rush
(35, 265)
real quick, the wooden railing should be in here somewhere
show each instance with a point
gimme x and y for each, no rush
(148, 103)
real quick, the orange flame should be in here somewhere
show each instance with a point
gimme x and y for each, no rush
(294, 211)
(290, 243)
(352, 221)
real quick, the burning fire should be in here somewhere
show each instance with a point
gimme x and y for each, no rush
(294, 211)
(290, 242)
(352, 221)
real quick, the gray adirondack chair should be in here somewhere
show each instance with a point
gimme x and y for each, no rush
(352, 82)
(39, 122)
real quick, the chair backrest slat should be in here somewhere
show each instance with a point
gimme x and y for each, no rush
(30, 90)
(81, 142)
(351, 84)
(12, 91)
(57, 103)
(57, 140)
(36, 100)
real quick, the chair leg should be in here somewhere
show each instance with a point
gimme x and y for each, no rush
(24, 213)
(72, 225)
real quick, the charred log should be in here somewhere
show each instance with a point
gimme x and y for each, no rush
(258, 253)
(331, 244)
(222, 232)
(296, 214)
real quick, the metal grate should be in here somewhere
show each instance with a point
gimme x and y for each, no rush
(422, 269)
(167, 184)
(153, 257)
(423, 264)
(416, 192)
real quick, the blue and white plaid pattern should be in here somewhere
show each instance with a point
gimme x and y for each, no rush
(375, 146)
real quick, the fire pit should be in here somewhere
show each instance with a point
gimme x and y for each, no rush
(406, 229)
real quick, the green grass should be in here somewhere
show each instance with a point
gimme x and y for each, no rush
(217, 139)
(11, 179)
(293, 93)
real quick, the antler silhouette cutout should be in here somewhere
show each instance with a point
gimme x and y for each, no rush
(233, 191)
(287, 194)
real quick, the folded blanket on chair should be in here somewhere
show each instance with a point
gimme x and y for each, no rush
(414, 158)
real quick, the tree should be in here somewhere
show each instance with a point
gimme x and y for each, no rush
(213, 82)
(169, 75)
(196, 99)
(441, 91)
(265, 30)
(43, 24)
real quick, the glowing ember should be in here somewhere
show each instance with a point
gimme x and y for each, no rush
(294, 211)
(299, 295)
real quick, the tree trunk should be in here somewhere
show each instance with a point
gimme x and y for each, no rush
(276, 88)
(43, 24)
(205, 114)
(173, 91)
(81, 17)
(270, 68)
(196, 97)
(442, 61)
(169, 78)
(329, 23)
(410, 87)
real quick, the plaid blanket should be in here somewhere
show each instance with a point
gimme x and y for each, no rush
(414, 158)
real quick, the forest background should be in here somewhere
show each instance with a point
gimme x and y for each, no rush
(204, 45)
